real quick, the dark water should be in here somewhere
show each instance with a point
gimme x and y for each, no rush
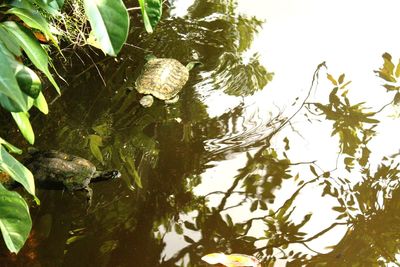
(281, 166)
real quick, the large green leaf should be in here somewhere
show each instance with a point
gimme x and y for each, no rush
(35, 20)
(24, 125)
(9, 43)
(28, 81)
(15, 220)
(16, 170)
(41, 103)
(11, 106)
(32, 48)
(151, 13)
(8, 83)
(110, 23)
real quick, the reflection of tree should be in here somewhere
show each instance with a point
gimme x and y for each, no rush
(214, 32)
(373, 234)
(349, 123)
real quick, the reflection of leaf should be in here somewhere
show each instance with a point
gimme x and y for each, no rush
(188, 239)
(238, 78)
(330, 77)
(386, 71)
(348, 122)
(396, 99)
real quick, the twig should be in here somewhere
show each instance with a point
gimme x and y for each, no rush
(133, 8)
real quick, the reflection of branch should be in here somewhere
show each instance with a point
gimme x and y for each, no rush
(314, 79)
(324, 231)
(302, 241)
(223, 192)
(258, 154)
(384, 106)
(182, 253)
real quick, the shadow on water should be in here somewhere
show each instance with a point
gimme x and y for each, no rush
(155, 215)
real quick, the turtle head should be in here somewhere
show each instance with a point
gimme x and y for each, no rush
(149, 57)
(105, 175)
(193, 64)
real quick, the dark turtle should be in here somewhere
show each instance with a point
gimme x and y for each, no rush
(163, 78)
(57, 170)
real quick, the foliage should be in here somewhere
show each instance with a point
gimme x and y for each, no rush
(15, 221)
(390, 74)
(348, 121)
(110, 23)
(22, 25)
(151, 13)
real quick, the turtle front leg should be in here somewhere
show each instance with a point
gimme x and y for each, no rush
(146, 101)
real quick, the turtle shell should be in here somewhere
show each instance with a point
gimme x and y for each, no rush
(54, 168)
(162, 78)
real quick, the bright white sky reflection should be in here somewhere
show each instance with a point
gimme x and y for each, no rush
(297, 35)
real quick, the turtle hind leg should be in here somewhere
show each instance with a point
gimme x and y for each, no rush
(172, 100)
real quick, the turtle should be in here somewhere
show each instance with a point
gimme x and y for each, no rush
(162, 78)
(57, 170)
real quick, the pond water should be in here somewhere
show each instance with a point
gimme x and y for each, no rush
(267, 153)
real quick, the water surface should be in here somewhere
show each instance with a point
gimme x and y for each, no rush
(261, 155)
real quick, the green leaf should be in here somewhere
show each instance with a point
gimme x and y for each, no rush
(15, 220)
(22, 120)
(28, 81)
(8, 84)
(151, 12)
(32, 48)
(8, 41)
(41, 104)
(109, 20)
(136, 176)
(50, 6)
(16, 170)
(35, 20)
(95, 142)
(10, 147)
(11, 106)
